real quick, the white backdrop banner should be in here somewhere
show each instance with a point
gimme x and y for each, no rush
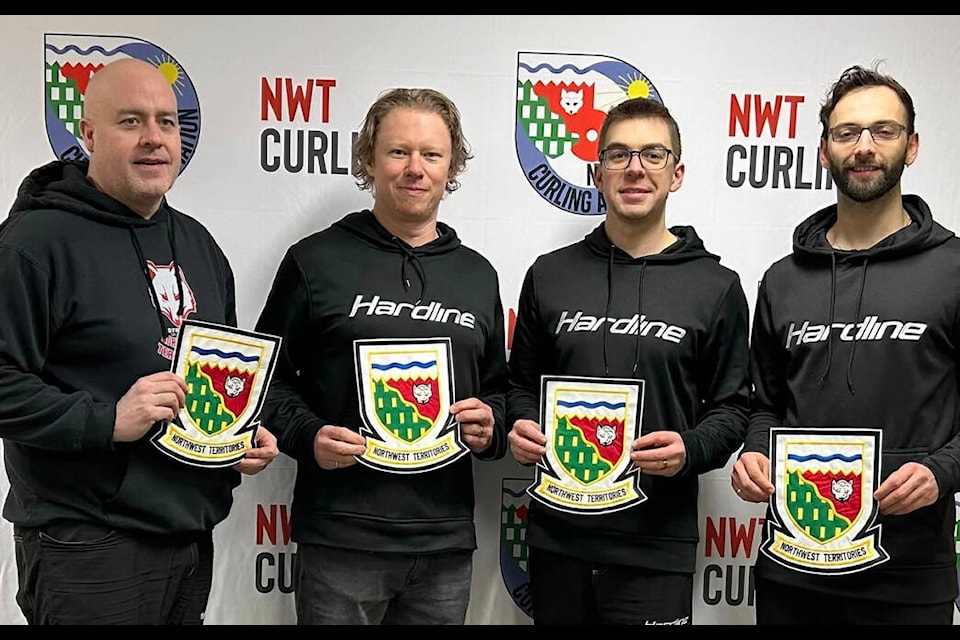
(269, 107)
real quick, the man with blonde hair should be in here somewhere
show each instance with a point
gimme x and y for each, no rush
(393, 334)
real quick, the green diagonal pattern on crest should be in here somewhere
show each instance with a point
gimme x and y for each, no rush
(513, 533)
(65, 99)
(577, 455)
(205, 406)
(813, 513)
(397, 415)
(545, 129)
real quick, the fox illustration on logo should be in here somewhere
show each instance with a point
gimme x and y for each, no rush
(164, 282)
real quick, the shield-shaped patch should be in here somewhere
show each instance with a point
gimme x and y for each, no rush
(590, 424)
(823, 510)
(405, 388)
(227, 371)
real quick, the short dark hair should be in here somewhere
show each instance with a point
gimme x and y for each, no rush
(858, 77)
(420, 100)
(640, 108)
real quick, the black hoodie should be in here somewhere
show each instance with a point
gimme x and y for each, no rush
(89, 305)
(323, 298)
(908, 388)
(697, 386)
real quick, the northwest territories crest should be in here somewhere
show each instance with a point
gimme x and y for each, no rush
(405, 389)
(227, 371)
(823, 510)
(590, 424)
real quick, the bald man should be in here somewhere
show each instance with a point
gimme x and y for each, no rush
(97, 274)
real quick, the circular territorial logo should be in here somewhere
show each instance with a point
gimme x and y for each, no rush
(69, 62)
(562, 100)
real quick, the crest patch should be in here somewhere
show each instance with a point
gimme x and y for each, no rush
(823, 510)
(590, 424)
(405, 388)
(228, 372)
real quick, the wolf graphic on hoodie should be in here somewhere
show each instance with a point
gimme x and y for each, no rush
(92, 297)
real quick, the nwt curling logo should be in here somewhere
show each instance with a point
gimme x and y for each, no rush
(514, 506)
(562, 100)
(69, 62)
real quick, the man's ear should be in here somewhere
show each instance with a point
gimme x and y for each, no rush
(824, 159)
(86, 130)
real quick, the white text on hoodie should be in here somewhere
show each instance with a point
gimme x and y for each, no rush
(870, 328)
(432, 311)
(579, 321)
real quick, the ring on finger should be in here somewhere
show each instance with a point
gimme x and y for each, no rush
(336, 464)
(663, 463)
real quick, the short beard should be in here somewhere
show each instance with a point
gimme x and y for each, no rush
(859, 191)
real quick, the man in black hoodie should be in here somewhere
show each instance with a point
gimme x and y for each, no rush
(854, 435)
(390, 381)
(647, 334)
(97, 274)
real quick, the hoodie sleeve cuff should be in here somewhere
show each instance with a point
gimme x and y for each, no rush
(98, 432)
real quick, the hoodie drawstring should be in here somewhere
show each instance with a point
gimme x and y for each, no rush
(606, 310)
(856, 317)
(413, 259)
(606, 313)
(636, 352)
(141, 260)
(833, 304)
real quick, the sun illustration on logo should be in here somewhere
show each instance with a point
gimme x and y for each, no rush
(561, 103)
(70, 60)
(171, 70)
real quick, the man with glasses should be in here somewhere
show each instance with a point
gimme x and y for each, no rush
(854, 363)
(633, 303)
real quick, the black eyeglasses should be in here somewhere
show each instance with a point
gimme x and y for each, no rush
(882, 132)
(651, 159)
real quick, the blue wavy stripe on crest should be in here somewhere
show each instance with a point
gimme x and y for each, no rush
(819, 458)
(409, 365)
(543, 65)
(73, 47)
(592, 405)
(224, 354)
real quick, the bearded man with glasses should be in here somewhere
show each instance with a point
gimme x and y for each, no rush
(634, 303)
(854, 359)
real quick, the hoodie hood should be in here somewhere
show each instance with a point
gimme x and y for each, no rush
(810, 243)
(64, 186)
(687, 247)
(810, 236)
(365, 226)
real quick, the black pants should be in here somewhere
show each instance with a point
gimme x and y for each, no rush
(778, 603)
(569, 591)
(84, 573)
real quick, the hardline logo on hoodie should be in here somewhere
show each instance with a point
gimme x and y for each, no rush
(579, 321)
(869, 329)
(432, 311)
